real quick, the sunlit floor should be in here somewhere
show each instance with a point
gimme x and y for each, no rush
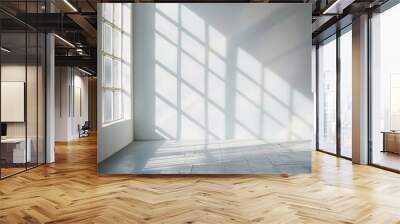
(386, 159)
(218, 157)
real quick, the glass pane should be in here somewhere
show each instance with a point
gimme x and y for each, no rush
(117, 105)
(117, 14)
(13, 124)
(108, 11)
(107, 38)
(394, 101)
(126, 89)
(126, 22)
(117, 43)
(41, 99)
(31, 100)
(346, 93)
(107, 105)
(126, 52)
(107, 72)
(117, 74)
(385, 89)
(327, 96)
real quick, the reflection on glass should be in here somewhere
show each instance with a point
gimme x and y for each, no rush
(385, 93)
(327, 96)
(346, 94)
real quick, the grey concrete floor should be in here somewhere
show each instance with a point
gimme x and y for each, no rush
(216, 157)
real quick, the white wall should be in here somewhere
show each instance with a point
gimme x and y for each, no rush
(33, 125)
(68, 84)
(81, 84)
(18, 73)
(222, 71)
(111, 137)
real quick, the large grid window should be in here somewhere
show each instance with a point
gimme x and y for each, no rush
(116, 54)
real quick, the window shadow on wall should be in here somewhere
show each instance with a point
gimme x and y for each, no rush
(207, 87)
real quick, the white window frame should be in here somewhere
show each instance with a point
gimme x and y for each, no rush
(115, 87)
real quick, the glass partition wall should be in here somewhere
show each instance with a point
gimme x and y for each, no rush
(385, 89)
(22, 77)
(334, 93)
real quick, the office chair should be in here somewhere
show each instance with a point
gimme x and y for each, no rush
(84, 130)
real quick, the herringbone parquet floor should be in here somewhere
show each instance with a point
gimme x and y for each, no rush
(71, 191)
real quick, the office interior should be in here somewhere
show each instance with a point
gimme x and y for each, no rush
(75, 86)
(28, 57)
(334, 59)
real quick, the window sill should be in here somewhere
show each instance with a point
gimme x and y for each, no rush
(114, 122)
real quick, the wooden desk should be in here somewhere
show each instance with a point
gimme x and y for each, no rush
(13, 150)
(391, 141)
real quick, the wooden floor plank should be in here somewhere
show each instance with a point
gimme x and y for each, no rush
(71, 191)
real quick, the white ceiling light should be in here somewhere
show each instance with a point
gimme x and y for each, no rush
(331, 7)
(65, 41)
(5, 50)
(84, 71)
(70, 5)
(338, 6)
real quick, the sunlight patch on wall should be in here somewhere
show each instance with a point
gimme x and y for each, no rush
(166, 118)
(193, 105)
(166, 84)
(166, 28)
(193, 48)
(247, 114)
(166, 53)
(249, 66)
(193, 23)
(192, 72)
(217, 41)
(169, 10)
